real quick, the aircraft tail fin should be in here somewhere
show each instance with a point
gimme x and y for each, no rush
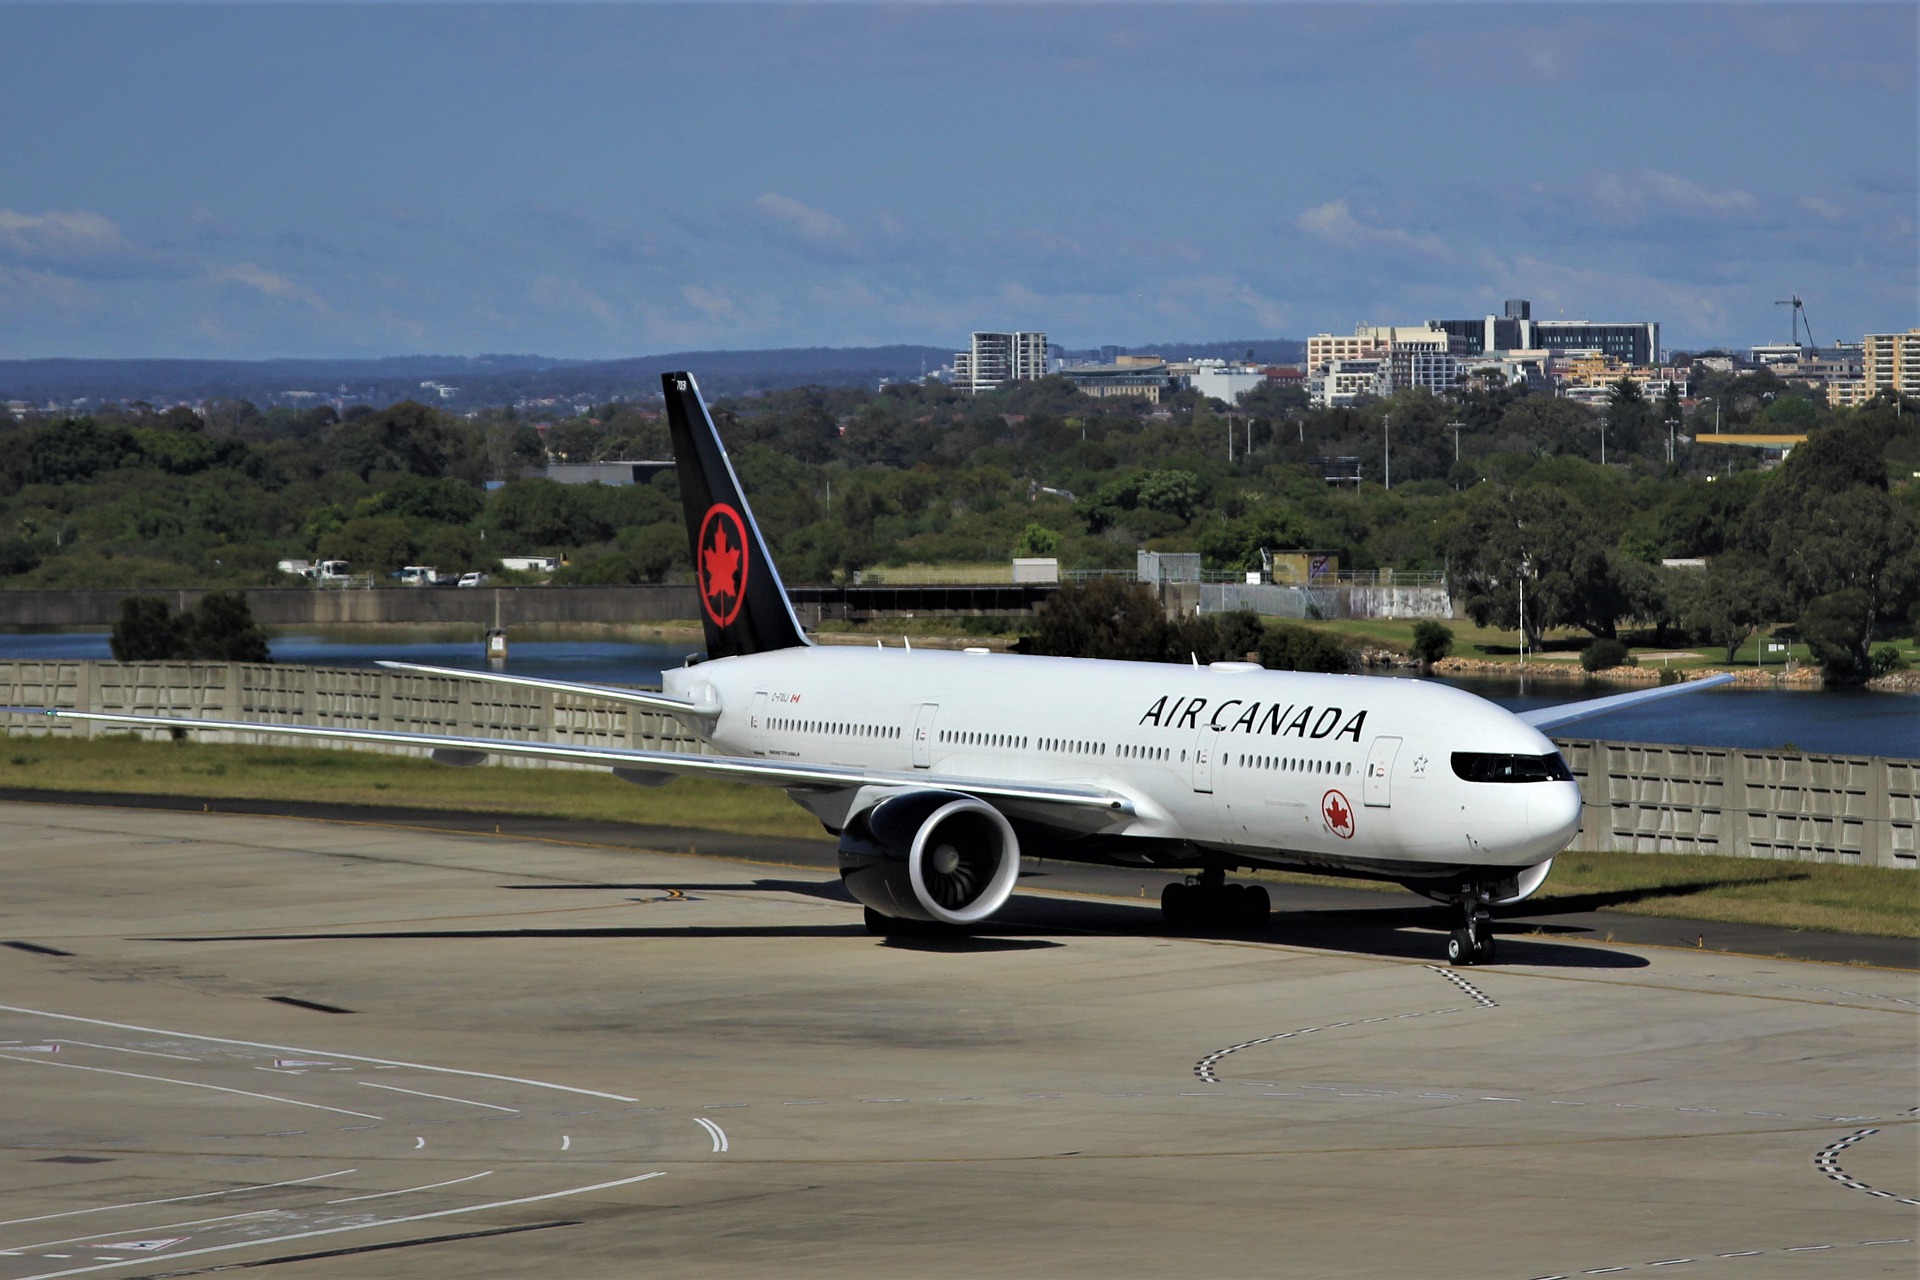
(743, 604)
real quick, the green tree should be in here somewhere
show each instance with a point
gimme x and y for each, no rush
(1290, 648)
(1432, 641)
(220, 628)
(1103, 618)
(1538, 541)
(1728, 601)
(1037, 540)
(1835, 627)
(145, 631)
(370, 544)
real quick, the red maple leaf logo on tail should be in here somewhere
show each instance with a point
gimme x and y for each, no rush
(723, 566)
(1338, 813)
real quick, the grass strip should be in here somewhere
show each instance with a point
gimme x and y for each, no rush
(1793, 895)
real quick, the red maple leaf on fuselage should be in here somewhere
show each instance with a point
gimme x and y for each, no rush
(1339, 817)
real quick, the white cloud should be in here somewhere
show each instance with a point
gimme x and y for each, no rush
(1648, 191)
(268, 284)
(61, 235)
(562, 296)
(1826, 209)
(1334, 222)
(814, 228)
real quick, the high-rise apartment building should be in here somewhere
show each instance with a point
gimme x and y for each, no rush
(997, 358)
(1891, 362)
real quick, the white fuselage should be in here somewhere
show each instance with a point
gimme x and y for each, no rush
(1263, 766)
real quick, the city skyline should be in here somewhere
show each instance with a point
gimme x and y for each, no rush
(337, 181)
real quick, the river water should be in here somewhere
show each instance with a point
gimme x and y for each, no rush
(1859, 722)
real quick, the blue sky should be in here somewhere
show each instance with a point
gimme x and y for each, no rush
(600, 181)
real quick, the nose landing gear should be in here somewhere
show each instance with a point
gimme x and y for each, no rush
(1472, 941)
(1207, 903)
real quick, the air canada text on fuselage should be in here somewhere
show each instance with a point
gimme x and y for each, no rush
(1236, 715)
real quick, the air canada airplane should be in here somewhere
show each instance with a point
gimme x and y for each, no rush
(936, 769)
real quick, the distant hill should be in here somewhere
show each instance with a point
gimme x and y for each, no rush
(503, 379)
(487, 379)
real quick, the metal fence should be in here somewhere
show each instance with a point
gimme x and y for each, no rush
(1640, 797)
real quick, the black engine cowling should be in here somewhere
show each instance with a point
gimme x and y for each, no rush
(930, 855)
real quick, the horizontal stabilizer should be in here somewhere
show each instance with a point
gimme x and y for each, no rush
(633, 697)
(1568, 712)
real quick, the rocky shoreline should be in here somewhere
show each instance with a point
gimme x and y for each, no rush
(1801, 677)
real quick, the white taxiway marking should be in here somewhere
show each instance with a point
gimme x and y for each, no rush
(168, 1226)
(566, 1141)
(419, 1144)
(714, 1131)
(114, 1048)
(431, 1186)
(204, 1195)
(191, 1084)
(358, 1226)
(394, 1088)
(314, 1053)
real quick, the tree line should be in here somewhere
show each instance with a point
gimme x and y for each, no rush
(1500, 489)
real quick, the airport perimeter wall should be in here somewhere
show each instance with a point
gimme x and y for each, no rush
(365, 606)
(1640, 797)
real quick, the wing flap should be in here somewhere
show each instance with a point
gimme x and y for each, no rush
(624, 760)
(634, 697)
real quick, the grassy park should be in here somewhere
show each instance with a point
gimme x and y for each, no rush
(1796, 895)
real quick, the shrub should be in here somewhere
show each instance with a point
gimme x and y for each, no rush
(218, 629)
(1605, 654)
(1432, 641)
(1288, 648)
(1887, 659)
(146, 631)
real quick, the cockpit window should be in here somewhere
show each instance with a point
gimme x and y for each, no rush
(1477, 766)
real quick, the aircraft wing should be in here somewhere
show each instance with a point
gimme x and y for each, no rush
(1567, 712)
(651, 767)
(633, 697)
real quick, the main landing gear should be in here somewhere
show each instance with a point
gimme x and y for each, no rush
(1471, 942)
(1208, 902)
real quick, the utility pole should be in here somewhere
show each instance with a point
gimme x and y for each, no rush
(1603, 442)
(1386, 435)
(1672, 425)
(1456, 424)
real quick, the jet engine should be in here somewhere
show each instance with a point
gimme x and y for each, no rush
(934, 856)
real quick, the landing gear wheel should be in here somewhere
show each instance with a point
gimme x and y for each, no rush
(1483, 946)
(1256, 906)
(1460, 948)
(1176, 905)
(881, 925)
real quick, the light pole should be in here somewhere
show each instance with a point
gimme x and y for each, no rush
(1456, 425)
(1672, 425)
(1386, 434)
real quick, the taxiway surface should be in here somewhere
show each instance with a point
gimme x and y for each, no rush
(361, 1050)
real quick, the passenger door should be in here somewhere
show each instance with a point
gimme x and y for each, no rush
(1204, 746)
(923, 735)
(1376, 791)
(757, 723)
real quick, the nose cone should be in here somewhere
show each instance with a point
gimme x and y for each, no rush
(1553, 814)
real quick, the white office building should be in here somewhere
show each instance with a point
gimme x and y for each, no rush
(1218, 380)
(1342, 383)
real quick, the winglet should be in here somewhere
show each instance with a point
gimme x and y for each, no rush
(1568, 712)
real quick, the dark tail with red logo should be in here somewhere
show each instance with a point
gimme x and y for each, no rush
(743, 604)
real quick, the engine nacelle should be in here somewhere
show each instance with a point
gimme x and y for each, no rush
(930, 855)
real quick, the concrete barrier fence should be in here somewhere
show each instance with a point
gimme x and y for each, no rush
(1640, 797)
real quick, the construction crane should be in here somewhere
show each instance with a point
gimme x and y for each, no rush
(1798, 320)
